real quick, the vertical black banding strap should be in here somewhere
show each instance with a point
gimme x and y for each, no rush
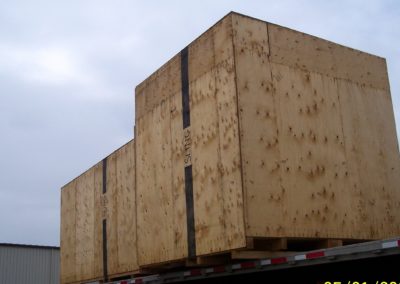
(185, 87)
(105, 271)
(105, 264)
(104, 175)
(191, 234)
(190, 212)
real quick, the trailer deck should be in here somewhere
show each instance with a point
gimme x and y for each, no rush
(361, 251)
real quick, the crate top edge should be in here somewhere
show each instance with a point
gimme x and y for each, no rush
(177, 53)
(95, 164)
(231, 13)
(310, 35)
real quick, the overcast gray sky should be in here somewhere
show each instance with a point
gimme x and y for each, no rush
(68, 71)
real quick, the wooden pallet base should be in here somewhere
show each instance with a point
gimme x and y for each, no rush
(266, 244)
(296, 244)
(256, 248)
(210, 260)
(126, 275)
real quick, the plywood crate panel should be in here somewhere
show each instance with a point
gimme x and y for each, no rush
(258, 131)
(212, 148)
(102, 198)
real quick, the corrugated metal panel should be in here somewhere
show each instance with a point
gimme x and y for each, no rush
(31, 265)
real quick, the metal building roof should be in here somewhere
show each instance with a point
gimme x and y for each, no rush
(29, 264)
(28, 246)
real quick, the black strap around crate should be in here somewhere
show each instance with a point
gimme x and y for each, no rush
(191, 235)
(104, 190)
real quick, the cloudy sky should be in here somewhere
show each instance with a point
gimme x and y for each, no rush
(68, 71)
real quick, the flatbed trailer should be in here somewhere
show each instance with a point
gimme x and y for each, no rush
(368, 262)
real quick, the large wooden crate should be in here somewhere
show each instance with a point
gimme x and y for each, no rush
(98, 220)
(258, 131)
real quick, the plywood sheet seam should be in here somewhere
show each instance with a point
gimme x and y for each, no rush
(238, 126)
